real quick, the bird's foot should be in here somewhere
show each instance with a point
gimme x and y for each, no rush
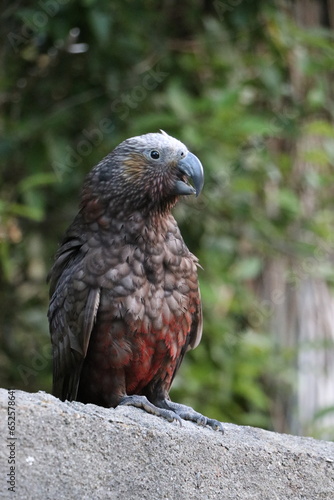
(188, 413)
(143, 403)
(171, 411)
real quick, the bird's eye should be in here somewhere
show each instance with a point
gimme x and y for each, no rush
(155, 154)
(182, 154)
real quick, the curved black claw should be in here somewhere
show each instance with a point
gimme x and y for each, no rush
(187, 413)
(143, 403)
(215, 424)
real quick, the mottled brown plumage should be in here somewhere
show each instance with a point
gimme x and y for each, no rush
(125, 303)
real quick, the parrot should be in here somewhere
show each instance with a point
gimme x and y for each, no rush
(125, 303)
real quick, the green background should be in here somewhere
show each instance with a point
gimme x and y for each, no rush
(247, 85)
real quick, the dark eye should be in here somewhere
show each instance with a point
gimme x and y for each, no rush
(155, 155)
(182, 154)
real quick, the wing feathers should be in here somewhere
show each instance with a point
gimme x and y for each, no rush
(71, 319)
(91, 309)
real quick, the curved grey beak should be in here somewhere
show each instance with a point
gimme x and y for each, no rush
(191, 167)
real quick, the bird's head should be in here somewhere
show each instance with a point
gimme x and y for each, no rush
(148, 171)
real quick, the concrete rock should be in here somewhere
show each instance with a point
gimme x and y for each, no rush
(71, 450)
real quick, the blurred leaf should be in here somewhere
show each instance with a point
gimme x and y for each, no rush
(36, 180)
(100, 22)
(289, 201)
(247, 268)
(32, 212)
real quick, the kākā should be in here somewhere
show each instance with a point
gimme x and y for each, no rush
(125, 305)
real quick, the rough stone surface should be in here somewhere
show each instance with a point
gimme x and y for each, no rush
(72, 450)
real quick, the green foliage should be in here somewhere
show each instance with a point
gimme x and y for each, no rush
(82, 78)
